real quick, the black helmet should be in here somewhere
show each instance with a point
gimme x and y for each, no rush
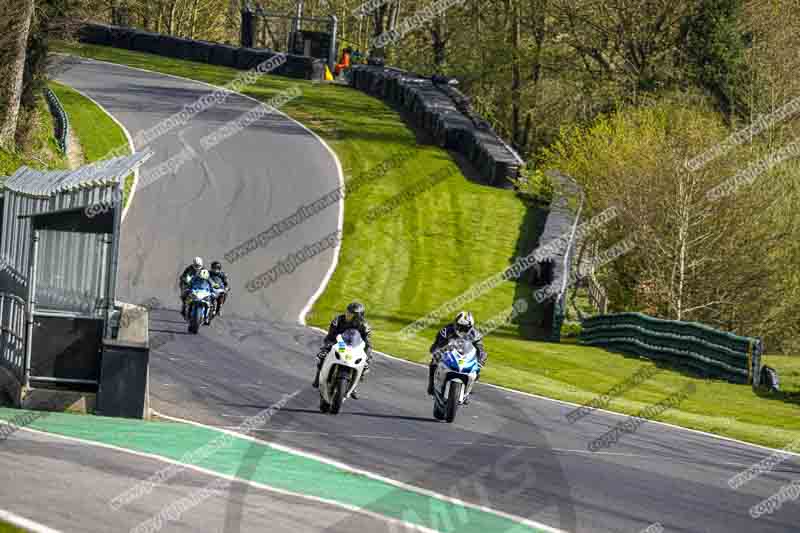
(357, 310)
(216, 266)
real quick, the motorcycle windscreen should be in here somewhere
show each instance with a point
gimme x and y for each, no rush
(198, 283)
(352, 337)
(464, 349)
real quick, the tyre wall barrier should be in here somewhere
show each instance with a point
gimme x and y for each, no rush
(296, 66)
(443, 111)
(704, 349)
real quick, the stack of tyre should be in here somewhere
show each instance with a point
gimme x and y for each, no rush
(435, 106)
(296, 66)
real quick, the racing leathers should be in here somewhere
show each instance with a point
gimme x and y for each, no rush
(191, 271)
(339, 325)
(220, 278)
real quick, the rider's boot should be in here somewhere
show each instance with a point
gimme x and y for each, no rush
(431, 372)
(354, 394)
(316, 377)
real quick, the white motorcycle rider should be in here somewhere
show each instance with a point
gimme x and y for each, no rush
(341, 370)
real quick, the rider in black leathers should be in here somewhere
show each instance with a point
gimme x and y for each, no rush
(220, 277)
(190, 271)
(353, 318)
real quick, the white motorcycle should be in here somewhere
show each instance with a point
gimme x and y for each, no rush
(454, 378)
(341, 371)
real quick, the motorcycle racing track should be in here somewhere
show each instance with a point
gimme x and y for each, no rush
(512, 452)
(76, 482)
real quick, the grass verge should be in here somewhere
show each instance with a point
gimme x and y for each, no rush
(437, 244)
(41, 150)
(98, 133)
(5, 527)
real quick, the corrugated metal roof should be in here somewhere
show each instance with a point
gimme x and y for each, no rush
(32, 182)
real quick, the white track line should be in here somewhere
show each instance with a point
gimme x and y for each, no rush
(371, 475)
(130, 144)
(30, 525)
(409, 526)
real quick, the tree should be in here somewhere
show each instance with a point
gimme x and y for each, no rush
(16, 24)
(713, 46)
(718, 261)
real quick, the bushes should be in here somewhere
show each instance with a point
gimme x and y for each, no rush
(720, 261)
(533, 185)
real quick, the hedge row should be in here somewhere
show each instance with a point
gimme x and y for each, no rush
(296, 66)
(707, 350)
(444, 112)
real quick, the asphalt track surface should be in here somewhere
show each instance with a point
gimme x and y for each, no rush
(217, 200)
(508, 451)
(67, 486)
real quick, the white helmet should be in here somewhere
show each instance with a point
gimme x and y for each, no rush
(204, 274)
(464, 323)
(197, 263)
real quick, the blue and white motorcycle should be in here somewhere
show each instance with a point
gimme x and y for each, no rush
(198, 308)
(456, 373)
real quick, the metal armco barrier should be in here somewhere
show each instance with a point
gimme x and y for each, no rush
(709, 351)
(59, 118)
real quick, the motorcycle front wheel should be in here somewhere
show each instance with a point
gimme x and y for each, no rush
(438, 412)
(324, 406)
(194, 320)
(452, 400)
(342, 384)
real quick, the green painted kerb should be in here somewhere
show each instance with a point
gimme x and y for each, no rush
(275, 468)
